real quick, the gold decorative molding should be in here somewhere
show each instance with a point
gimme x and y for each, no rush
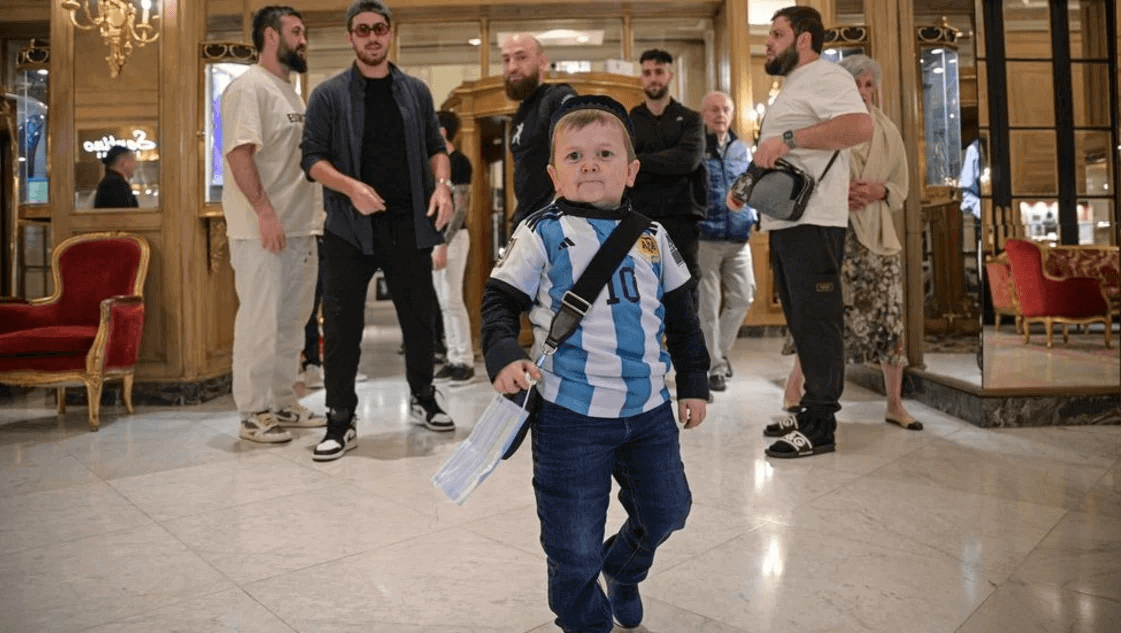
(217, 244)
(34, 56)
(839, 36)
(943, 33)
(218, 52)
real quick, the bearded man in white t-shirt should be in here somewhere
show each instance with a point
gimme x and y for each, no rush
(819, 113)
(271, 223)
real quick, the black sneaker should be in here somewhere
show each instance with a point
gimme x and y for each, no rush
(716, 382)
(462, 375)
(445, 374)
(339, 438)
(425, 410)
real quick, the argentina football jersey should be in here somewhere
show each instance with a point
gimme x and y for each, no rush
(614, 364)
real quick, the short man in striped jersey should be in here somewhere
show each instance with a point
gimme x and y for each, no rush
(606, 409)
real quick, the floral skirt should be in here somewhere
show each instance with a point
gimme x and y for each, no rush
(873, 293)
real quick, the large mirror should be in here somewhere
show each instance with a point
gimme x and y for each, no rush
(112, 111)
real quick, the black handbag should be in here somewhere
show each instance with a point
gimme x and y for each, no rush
(579, 300)
(781, 192)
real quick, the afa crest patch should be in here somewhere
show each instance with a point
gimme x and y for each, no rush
(648, 248)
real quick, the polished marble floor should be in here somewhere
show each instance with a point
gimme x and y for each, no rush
(166, 521)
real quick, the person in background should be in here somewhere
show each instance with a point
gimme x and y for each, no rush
(723, 253)
(449, 260)
(872, 272)
(813, 121)
(114, 191)
(670, 144)
(272, 225)
(523, 71)
(372, 140)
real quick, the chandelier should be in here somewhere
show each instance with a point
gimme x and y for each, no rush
(117, 23)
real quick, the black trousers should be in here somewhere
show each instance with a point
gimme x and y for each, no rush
(347, 275)
(311, 329)
(806, 261)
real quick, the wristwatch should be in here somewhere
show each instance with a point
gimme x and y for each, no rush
(788, 138)
(444, 181)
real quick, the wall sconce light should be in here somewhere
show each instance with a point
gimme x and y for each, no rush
(116, 20)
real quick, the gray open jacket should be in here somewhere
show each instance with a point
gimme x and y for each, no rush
(333, 129)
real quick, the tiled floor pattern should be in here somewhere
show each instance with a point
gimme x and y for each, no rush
(166, 521)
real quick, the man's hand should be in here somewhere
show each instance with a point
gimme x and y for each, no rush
(512, 378)
(731, 202)
(865, 192)
(440, 257)
(365, 200)
(770, 151)
(691, 411)
(441, 206)
(273, 239)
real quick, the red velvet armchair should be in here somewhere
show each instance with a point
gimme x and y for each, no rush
(88, 331)
(999, 271)
(1043, 298)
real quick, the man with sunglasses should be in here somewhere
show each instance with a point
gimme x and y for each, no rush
(373, 141)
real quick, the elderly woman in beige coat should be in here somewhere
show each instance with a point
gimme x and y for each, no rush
(872, 271)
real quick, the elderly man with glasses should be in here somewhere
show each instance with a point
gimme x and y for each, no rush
(372, 139)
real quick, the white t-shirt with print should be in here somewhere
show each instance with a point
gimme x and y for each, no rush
(262, 109)
(812, 94)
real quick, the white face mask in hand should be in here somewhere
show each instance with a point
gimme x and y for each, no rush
(480, 453)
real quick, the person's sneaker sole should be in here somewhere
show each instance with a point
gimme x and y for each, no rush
(265, 438)
(347, 447)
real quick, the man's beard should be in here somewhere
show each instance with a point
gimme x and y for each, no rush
(657, 94)
(290, 57)
(783, 63)
(519, 89)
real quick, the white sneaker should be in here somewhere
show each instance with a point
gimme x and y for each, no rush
(336, 444)
(312, 375)
(299, 415)
(263, 427)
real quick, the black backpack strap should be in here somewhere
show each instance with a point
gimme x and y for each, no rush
(579, 299)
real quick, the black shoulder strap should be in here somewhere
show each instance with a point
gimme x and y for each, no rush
(580, 298)
(829, 166)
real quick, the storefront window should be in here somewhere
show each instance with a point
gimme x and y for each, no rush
(31, 87)
(218, 77)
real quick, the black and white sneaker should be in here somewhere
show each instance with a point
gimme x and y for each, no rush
(444, 375)
(462, 375)
(425, 410)
(337, 441)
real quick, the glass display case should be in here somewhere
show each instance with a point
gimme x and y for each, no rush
(941, 109)
(222, 62)
(30, 89)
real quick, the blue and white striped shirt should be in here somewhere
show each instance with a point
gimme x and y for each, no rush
(614, 365)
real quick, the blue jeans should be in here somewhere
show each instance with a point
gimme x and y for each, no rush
(574, 459)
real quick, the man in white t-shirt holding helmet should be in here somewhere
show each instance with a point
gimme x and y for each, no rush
(271, 223)
(819, 112)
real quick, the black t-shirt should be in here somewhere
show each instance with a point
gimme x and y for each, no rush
(114, 192)
(461, 168)
(529, 143)
(385, 165)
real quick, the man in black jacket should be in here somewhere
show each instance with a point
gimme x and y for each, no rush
(114, 191)
(670, 143)
(372, 140)
(523, 69)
